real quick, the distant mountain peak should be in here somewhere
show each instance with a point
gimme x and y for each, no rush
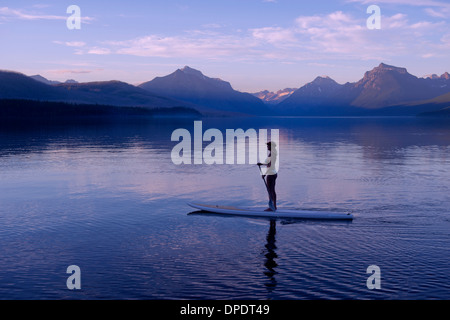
(191, 71)
(379, 75)
(38, 77)
(444, 76)
(274, 97)
(319, 84)
(383, 65)
(432, 76)
(42, 79)
(386, 67)
(323, 80)
(197, 73)
(191, 85)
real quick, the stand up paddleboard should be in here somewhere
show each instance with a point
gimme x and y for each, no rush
(281, 213)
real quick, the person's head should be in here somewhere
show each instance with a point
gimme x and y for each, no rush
(271, 145)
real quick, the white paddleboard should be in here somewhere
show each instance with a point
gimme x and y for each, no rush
(280, 213)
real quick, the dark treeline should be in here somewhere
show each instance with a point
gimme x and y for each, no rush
(443, 113)
(30, 110)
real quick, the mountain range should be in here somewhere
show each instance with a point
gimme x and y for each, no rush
(15, 85)
(40, 78)
(274, 97)
(384, 90)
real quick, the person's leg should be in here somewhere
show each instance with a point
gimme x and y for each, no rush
(274, 194)
(271, 186)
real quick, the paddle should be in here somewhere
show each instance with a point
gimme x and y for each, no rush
(271, 205)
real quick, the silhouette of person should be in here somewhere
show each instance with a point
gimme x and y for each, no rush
(271, 172)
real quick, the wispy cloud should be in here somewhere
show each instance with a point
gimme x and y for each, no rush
(445, 42)
(99, 51)
(207, 45)
(71, 43)
(442, 13)
(420, 3)
(275, 35)
(7, 14)
(347, 37)
(436, 9)
(336, 35)
(72, 71)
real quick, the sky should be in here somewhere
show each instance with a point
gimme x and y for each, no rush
(253, 44)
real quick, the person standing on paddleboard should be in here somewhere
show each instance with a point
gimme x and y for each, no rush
(271, 173)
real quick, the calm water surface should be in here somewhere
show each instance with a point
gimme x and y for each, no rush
(109, 199)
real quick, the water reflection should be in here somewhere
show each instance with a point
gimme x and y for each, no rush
(378, 138)
(114, 189)
(270, 254)
(36, 138)
(135, 157)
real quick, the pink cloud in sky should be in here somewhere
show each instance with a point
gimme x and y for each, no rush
(7, 13)
(336, 35)
(72, 71)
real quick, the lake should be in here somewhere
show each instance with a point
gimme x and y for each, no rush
(108, 198)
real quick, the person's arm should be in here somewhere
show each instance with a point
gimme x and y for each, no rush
(266, 163)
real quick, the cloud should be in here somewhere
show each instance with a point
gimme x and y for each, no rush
(72, 71)
(7, 14)
(196, 45)
(397, 21)
(212, 26)
(81, 48)
(436, 9)
(442, 13)
(99, 51)
(322, 65)
(75, 44)
(420, 3)
(71, 43)
(445, 41)
(337, 35)
(275, 35)
(336, 32)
